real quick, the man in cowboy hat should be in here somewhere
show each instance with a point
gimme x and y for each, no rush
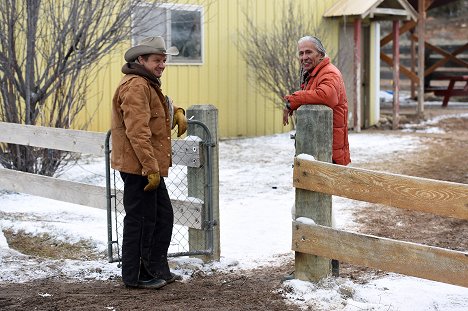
(142, 118)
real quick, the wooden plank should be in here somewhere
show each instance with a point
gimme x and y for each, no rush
(186, 213)
(453, 92)
(413, 259)
(406, 27)
(421, 30)
(357, 75)
(187, 152)
(414, 193)
(444, 60)
(412, 67)
(396, 75)
(53, 188)
(446, 54)
(387, 11)
(389, 60)
(184, 152)
(53, 138)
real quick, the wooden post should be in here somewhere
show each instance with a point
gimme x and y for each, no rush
(421, 41)
(357, 75)
(198, 185)
(413, 65)
(314, 137)
(396, 75)
(374, 73)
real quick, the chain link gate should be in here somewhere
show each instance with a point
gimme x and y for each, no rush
(191, 163)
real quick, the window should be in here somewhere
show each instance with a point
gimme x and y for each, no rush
(180, 25)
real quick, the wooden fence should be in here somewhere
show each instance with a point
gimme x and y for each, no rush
(420, 194)
(80, 193)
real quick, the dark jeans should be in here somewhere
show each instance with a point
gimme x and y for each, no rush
(147, 230)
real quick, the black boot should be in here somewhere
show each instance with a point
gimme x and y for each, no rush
(160, 269)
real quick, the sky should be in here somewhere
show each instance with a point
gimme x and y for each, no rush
(256, 196)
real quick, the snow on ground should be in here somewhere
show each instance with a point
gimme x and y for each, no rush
(256, 196)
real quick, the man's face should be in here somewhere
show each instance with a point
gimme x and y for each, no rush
(154, 64)
(308, 55)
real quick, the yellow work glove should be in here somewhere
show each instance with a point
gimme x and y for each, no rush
(181, 121)
(153, 181)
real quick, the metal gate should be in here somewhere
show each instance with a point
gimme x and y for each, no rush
(190, 188)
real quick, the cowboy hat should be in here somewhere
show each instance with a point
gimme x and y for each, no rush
(151, 45)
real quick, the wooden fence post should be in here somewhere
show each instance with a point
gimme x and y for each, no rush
(314, 135)
(198, 185)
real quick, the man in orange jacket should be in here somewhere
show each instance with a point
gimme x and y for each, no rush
(322, 84)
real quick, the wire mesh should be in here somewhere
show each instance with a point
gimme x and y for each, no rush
(186, 203)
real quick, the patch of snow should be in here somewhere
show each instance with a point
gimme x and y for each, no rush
(256, 195)
(305, 221)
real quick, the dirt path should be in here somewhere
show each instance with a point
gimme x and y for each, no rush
(444, 158)
(252, 290)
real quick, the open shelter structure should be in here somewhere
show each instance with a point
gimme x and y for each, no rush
(362, 18)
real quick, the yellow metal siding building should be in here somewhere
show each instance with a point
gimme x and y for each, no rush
(223, 78)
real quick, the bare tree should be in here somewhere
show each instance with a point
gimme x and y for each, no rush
(47, 51)
(270, 51)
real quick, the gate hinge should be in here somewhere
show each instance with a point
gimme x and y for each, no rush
(210, 224)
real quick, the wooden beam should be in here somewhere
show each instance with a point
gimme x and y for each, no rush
(186, 212)
(420, 194)
(427, 4)
(413, 67)
(389, 60)
(445, 53)
(404, 28)
(413, 259)
(396, 76)
(53, 138)
(387, 11)
(441, 62)
(422, 8)
(185, 152)
(357, 75)
(53, 188)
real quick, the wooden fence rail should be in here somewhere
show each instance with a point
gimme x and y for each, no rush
(414, 193)
(438, 197)
(85, 142)
(428, 262)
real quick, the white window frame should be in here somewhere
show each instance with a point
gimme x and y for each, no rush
(168, 36)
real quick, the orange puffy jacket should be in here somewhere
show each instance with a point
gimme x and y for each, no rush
(326, 87)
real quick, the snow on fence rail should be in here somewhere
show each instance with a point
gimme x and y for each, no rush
(420, 194)
(75, 192)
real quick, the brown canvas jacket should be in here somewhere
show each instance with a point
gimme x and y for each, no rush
(141, 128)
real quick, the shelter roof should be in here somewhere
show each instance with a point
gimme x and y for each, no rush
(389, 9)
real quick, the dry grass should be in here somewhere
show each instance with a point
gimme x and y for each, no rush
(46, 246)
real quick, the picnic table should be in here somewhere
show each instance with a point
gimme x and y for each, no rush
(451, 90)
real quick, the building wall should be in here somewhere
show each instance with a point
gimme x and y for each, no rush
(223, 80)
